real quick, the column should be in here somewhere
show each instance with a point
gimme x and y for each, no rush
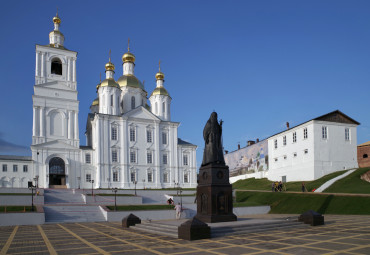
(42, 121)
(74, 70)
(69, 131)
(37, 64)
(34, 122)
(76, 125)
(68, 69)
(42, 64)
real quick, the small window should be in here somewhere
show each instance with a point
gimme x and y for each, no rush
(363, 156)
(114, 133)
(133, 176)
(186, 177)
(88, 158)
(275, 143)
(295, 154)
(149, 138)
(285, 157)
(115, 176)
(132, 157)
(305, 133)
(284, 140)
(56, 66)
(25, 168)
(5, 168)
(306, 151)
(164, 138)
(15, 168)
(88, 177)
(165, 158)
(132, 134)
(149, 157)
(346, 134)
(276, 159)
(165, 177)
(132, 102)
(324, 132)
(185, 159)
(294, 137)
(114, 156)
(150, 177)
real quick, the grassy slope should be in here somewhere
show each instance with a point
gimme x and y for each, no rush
(264, 184)
(141, 207)
(351, 184)
(299, 203)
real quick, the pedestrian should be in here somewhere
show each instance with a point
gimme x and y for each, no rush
(178, 209)
(303, 187)
(272, 186)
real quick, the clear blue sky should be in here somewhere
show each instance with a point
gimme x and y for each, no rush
(258, 64)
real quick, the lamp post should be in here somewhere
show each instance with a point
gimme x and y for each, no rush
(32, 188)
(143, 182)
(92, 187)
(79, 181)
(135, 182)
(115, 198)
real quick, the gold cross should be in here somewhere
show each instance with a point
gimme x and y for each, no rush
(128, 45)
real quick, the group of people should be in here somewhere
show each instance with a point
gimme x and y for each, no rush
(277, 186)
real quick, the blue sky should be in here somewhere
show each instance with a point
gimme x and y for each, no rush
(258, 64)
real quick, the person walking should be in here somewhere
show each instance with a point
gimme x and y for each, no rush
(178, 209)
(303, 187)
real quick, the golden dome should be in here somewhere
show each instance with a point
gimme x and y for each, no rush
(109, 83)
(159, 76)
(130, 81)
(160, 91)
(95, 102)
(57, 20)
(128, 57)
(109, 66)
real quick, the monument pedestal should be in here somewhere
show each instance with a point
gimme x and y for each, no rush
(214, 194)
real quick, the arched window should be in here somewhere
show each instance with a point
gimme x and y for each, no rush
(364, 156)
(132, 102)
(56, 66)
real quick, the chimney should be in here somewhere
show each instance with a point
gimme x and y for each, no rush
(258, 140)
(287, 125)
(249, 143)
(238, 146)
(226, 151)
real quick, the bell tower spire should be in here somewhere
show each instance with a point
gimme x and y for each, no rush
(56, 38)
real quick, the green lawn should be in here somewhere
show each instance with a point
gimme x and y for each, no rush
(141, 207)
(16, 208)
(264, 184)
(109, 195)
(281, 202)
(16, 194)
(351, 183)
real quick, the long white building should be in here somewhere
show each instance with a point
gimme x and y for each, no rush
(129, 143)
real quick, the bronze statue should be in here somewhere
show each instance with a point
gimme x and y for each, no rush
(212, 133)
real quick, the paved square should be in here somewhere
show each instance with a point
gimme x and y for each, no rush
(341, 235)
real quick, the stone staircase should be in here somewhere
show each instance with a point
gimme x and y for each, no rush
(170, 228)
(64, 205)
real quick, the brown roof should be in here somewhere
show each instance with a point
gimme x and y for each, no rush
(364, 144)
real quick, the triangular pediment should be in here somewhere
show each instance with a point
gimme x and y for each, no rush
(141, 113)
(54, 85)
(56, 144)
(337, 116)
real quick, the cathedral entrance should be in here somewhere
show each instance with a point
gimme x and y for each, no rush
(57, 174)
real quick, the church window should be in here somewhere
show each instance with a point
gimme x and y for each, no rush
(164, 138)
(88, 158)
(150, 176)
(132, 156)
(88, 177)
(133, 176)
(5, 168)
(114, 156)
(115, 176)
(114, 133)
(149, 157)
(324, 132)
(56, 66)
(284, 140)
(165, 177)
(305, 133)
(149, 136)
(346, 134)
(132, 134)
(363, 156)
(294, 137)
(164, 159)
(15, 168)
(295, 154)
(275, 143)
(132, 102)
(25, 168)
(186, 177)
(164, 107)
(185, 160)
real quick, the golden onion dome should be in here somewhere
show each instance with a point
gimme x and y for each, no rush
(128, 57)
(130, 81)
(109, 66)
(159, 76)
(109, 83)
(95, 102)
(160, 91)
(56, 19)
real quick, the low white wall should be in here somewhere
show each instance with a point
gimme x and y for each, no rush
(257, 175)
(20, 190)
(21, 200)
(12, 219)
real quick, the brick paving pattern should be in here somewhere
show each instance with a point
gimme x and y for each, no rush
(340, 235)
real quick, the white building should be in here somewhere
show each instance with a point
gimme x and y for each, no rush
(313, 149)
(128, 142)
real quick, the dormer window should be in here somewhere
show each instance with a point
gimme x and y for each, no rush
(56, 66)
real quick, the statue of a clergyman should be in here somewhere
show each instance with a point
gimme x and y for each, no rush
(212, 132)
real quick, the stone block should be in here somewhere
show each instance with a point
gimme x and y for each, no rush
(194, 229)
(130, 220)
(311, 217)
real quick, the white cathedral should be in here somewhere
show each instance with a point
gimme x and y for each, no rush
(129, 143)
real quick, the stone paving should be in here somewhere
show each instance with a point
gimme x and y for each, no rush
(340, 235)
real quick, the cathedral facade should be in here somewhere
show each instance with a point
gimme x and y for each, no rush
(129, 143)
